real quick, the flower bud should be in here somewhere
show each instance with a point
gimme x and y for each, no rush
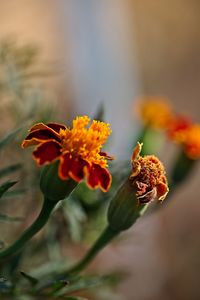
(52, 186)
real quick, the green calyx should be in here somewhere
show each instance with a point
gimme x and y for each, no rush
(124, 209)
(52, 186)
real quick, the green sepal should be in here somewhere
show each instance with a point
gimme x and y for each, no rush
(124, 208)
(52, 186)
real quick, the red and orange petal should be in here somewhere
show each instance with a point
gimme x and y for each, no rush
(77, 169)
(41, 132)
(47, 152)
(96, 176)
(55, 126)
(71, 167)
(40, 135)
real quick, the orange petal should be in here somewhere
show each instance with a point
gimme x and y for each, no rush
(162, 190)
(98, 177)
(136, 151)
(70, 167)
(38, 136)
(47, 152)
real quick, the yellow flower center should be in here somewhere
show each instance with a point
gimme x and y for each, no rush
(86, 142)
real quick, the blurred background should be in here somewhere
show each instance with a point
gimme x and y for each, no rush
(110, 52)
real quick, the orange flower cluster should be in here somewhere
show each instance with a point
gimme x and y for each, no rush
(148, 175)
(157, 113)
(78, 150)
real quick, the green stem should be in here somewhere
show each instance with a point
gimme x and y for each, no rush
(107, 235)
(39, 223)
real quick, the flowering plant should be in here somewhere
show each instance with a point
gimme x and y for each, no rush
(79, 186)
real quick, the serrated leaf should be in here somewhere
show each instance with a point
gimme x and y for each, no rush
(6, 218)
(10, 169)
(33, 281)
(6, 186)
(9, 137)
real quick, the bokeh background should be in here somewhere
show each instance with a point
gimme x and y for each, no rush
(111, 52)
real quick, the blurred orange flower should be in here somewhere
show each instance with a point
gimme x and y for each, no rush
(155, 112)
(192, 142)
(148, 175)
(78, 150)
(186, 133)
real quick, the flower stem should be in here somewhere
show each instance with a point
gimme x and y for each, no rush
(107, 235)
(41, 220)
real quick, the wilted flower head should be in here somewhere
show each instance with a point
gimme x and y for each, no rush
(148, 176)
(155, 112)
(78, 150)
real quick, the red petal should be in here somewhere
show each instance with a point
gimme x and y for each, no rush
(38, 136)
(98, 177)
(38, 126)
(71, 167)
(47, 152)
(56, 127)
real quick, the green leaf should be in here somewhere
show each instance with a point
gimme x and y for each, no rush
(6, 218)
(33, 281)
(5, 186)
(10, 169)
(9, 137)
(14, 193)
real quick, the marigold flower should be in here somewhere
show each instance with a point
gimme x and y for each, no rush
(78, 150)
(148, 176)
(155, 112)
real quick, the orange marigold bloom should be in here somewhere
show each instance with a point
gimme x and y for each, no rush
(155, 112)
(78, 150)
(148, 175)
